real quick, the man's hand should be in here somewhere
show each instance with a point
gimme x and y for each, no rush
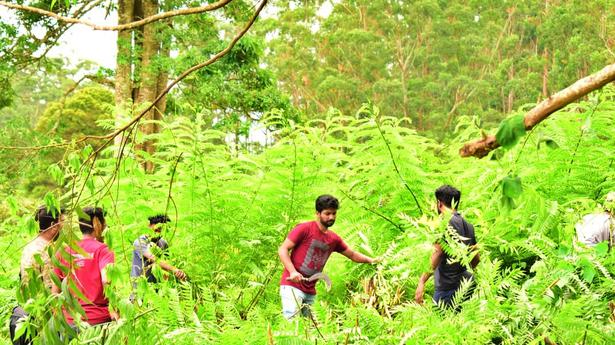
(418, 295)
(179, 274)
(295, 277)
(114, 315)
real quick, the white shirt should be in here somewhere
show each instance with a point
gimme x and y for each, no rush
(37, 246)
(595, 228)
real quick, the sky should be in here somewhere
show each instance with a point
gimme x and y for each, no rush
(80, 42)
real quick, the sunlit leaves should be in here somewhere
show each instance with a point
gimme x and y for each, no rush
(510, 132)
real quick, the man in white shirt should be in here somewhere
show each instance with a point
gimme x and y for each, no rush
(35, 261)
(598, 227)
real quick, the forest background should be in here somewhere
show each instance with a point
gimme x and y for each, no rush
(233, 117)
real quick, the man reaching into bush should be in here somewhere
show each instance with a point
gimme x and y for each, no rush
(143, 257)
(448, 275)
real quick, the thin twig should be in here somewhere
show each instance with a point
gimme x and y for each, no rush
(373, 211)
(583, 130)
(169, 197)
(397, 169)
(132, 25)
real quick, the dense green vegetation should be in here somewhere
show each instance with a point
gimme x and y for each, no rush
(232, 212)
(340, 116)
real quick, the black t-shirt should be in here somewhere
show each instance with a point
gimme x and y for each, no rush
(448, 276)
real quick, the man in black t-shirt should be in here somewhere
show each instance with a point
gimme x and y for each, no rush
(448, 273)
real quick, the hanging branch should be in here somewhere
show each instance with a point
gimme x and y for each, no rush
(132, 25)
(547, 107)
(397, 169)
(170, 197)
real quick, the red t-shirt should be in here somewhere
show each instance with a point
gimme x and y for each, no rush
(85, 272)
(311, 251)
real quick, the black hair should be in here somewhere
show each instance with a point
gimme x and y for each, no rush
(47, 216)
(159, 218)
(326, 201)
(86, 225)
(448, 195)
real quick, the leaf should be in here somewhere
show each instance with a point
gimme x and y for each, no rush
(56, 173)
(602, 249)
(86, 152)
(52, 204)
(550, 143)
(587, 269)
(81, 214)
(74, 161)
(90, 184)
(32, 225)
(510, 131)
(20, 329)
(511, 186)
(12, 204)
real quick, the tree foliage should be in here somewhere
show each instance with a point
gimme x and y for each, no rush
(434, 61)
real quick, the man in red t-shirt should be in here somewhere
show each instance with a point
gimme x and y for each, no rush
(310, 245)
(88, 272)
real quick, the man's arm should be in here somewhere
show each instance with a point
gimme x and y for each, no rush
(285, 247)
(179, 274)
(56, 290)
(358, 257)
(106, 282)
(475, 259)
(434, 261)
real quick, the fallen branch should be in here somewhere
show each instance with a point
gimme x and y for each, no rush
(132, 25)
(545, 108)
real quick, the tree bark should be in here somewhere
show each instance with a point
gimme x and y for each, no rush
(545, 74)
(547, 107)
(123, 79)
(149, 77)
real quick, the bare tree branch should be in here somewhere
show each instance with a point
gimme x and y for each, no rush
(132, 25)
(545, 108)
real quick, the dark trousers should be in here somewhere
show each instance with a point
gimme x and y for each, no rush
(445, 297)
(18, 315)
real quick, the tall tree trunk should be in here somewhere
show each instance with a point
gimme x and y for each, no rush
(163, 79)
(149, 78)
(511, 93)
(545, 74)
(123, 78)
